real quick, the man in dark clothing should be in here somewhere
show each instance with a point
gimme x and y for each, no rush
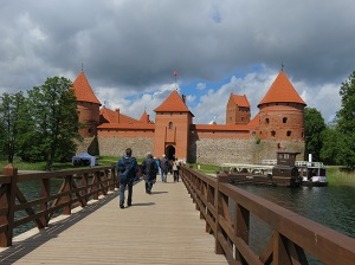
(127, 169)
(150, 169)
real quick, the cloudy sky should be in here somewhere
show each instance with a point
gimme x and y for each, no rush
(130, 49)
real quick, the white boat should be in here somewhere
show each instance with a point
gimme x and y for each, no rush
(312, 173)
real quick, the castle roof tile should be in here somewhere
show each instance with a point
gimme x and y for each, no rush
(241, 101)
(111, 116)
(83, 90)
(281, 91)
(173, 103)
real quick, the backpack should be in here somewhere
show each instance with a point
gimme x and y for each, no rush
(125, 168)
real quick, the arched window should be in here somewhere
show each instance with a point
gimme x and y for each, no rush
(284, 120)
(289, 133)
(171, 125)
(273, 133)
(267, 120)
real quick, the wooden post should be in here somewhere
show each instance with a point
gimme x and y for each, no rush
(67, 198)
(221, 178)
(7, 201)
(45, 193)
(241, 226)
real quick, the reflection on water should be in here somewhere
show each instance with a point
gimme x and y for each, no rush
(332, 206)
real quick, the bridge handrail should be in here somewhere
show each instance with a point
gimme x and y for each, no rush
(78, 186)
(292, 234)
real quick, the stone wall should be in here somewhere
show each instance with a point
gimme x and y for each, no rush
(116, 146)
(251, 151)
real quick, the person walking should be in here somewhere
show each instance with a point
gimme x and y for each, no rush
(158, 162)
(150, 169)
(164, 168)
(127, 169)
(176, 168)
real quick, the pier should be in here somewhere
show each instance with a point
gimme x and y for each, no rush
(202, 220)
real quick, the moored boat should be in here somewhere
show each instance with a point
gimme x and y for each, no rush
(312, 173)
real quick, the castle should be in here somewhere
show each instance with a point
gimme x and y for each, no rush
(279, 125)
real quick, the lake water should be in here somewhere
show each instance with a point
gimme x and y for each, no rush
(332, 206)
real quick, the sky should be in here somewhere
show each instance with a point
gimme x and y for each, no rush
(129, 49)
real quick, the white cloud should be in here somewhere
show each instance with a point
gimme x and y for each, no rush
(201, 86)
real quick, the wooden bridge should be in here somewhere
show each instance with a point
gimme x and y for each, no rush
(81, 223)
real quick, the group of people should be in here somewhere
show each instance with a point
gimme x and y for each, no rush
(128, 169)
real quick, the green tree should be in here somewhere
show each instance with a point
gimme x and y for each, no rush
(14, 123)
(331, 148)
(53, 108)
(314, 126)
(346, 121)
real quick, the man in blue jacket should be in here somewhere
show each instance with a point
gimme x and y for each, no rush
(127, 169)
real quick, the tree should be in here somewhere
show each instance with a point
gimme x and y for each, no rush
(346, 121)
(14, 123)
(332, 146)
(53, 108)
(314, 126)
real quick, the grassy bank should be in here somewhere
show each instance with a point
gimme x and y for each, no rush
(103, 161)
(340, 176)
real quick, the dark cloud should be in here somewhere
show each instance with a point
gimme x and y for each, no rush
(138, 44)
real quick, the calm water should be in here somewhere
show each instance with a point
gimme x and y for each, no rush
(332, 206)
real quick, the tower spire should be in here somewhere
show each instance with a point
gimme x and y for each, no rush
(176, 74)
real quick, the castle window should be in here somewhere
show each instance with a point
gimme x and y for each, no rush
(170, 126)
(267, 120)
(288, 133)
(284, 120)
(273, 133)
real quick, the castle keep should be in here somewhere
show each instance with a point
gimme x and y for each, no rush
(279, 125)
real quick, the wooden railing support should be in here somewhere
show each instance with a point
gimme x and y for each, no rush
(7, 201)
(227, 210)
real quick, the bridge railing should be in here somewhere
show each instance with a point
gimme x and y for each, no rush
(228, 209)
(72, 188)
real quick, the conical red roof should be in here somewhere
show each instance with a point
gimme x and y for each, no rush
(282, 91)
(173, 103)
(83, 90)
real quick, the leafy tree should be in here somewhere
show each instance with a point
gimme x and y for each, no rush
(346, 121)
(14, 123)
(314, 126)
(53, 108)
(332, 146)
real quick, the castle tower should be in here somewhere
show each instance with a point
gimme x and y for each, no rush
(238, 110)
(172, 127)
(88, 106)
(281, 115)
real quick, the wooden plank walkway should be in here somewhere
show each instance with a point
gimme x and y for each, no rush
(161, 228)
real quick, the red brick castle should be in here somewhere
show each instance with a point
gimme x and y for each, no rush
(278, 125)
